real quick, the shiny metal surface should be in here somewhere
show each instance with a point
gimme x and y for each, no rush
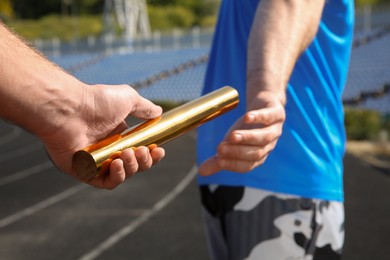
(96, 159)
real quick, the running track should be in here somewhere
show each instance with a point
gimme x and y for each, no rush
(45, 214)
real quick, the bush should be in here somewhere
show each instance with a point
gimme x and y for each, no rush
(362, 124)
(208, 21)
(6, 11)
(170, 17)
(68, 28)
(386, 124)
(65, 28)
(180, 16)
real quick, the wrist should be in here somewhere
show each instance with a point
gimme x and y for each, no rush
(35, 93)
(47, 102)
(60, 102)
(265, 99)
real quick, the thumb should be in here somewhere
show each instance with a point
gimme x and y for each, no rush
(209, 167)
(144, 108)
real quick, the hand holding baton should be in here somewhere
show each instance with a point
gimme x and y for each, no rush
(96, 159)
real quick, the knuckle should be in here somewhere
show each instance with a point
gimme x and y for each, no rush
(132, 169)
(250, 166)
(258, 154)
(268, 119)
(268, 138)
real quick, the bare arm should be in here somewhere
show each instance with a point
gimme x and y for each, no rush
(28, 82)
(281, 31)
(67, 114)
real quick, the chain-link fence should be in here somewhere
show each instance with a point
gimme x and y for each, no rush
(173, 63)
(159, 41)
(369, 17)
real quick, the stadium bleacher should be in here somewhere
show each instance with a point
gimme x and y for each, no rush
(180, 87)
(133, 67)
(381, 104)
(67, 61)
(369, 71)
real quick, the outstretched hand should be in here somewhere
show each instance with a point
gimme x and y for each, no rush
(66, 114)
(101, 112)
(250, 140)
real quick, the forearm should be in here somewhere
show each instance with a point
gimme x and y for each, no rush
(66, 114)
(280, 32)
(33, 91)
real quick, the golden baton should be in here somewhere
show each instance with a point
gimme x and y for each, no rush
(96, 159)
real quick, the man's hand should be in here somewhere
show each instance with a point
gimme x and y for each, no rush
(100, 113)
(66, 114)
(250, 140)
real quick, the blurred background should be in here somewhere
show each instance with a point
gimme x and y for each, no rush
(161, 47)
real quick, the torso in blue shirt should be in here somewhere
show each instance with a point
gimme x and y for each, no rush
(307, 160)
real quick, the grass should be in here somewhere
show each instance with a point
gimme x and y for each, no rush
(55, 26)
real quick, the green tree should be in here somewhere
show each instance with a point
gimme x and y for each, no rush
(371, 2)
(169, 17)
(200, 9)
(6, 10)
(362, 124)
(34, 9)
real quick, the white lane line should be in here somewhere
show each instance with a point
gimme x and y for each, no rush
(26, 172)
(20, 151)
(41, 205)
(16, 131)
(133, 225)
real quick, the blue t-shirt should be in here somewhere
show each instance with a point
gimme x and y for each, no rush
(307, 160)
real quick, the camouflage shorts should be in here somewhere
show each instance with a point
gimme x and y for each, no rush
(247, 223)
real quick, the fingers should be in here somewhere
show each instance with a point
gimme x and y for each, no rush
(128, 164)
(249, 142)
(243, 158)
(144, 158)
(266, 116)
(242, 152)
(255, 137)
(260, 127)
(110, 181)
(157, 154)
(144, 108)
(209, 167)
(236, 158)
(140, 159)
